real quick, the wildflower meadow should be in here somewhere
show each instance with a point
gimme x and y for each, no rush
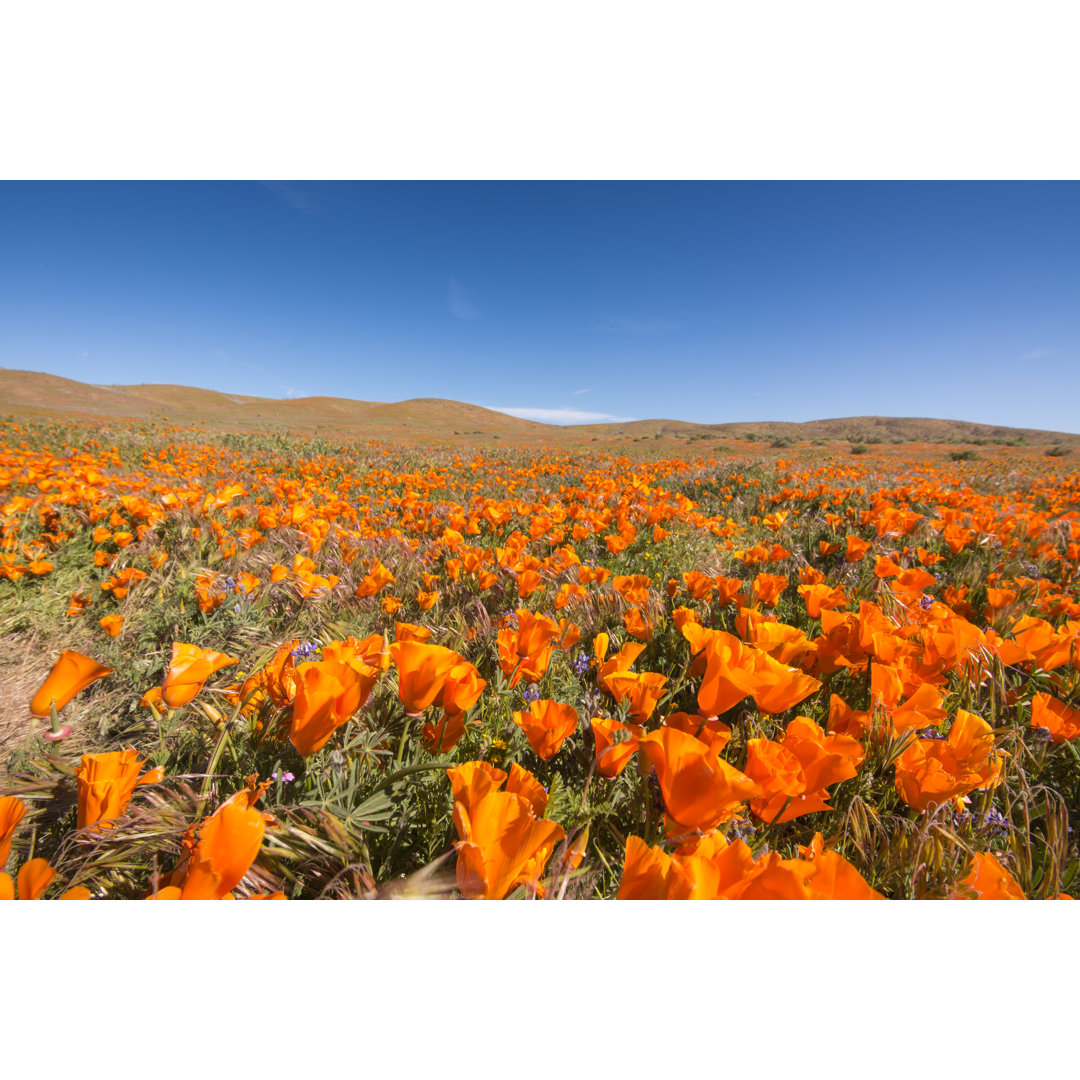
(286, 667)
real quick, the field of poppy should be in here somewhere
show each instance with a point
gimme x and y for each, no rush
(254, 667)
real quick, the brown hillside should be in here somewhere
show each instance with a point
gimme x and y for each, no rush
(439, 421)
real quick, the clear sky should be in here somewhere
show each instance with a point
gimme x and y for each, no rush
(568, 302)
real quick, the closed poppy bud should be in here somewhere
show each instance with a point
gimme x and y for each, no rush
(71, 673)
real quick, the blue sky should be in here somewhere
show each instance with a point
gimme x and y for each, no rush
(710, 302)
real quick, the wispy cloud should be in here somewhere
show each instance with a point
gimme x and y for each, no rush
(560, 416)
(459, 302)
(578, 393)
(292, 193)
(638, 326)
(1036, 354)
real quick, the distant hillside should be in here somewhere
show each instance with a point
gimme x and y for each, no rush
(435, 420)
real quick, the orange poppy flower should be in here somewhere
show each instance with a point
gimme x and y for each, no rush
(728, 670)
(856, 549)
(111, 624)
(932, 771)
(795, 773)
(714, 733)
(641, 691)
(710, 868)
(422, 671)
(637, 625)
(328, 692)
(442, 737)
(768, 588)
(462, 688)
(227, 845)
(700, 790)
(71, 673)
(834, 877)
(776, 687)
(376, 580)
(821, 596)
(279, 675)
(1055, 716)
(990, 880)
(727, 590)
(34, 877)
(616, 744)
(547, 725)
(106, 783)
(502, 845)
(473, 780)
(525, 653)
(12, 811)
(191, 666)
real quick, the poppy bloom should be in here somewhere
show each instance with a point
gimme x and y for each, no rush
(700, 790)
(768, 588)
(835, 878)
(71, 673)
(442, 737)
(712, 732)
(637, 625)
(34, 877)
(547, 725)
(795, 773)
(462, 688)
(502, 842)
(856, 549)
(616, 744)
(191, 666)
(1061, 721)
(776, 687)
(106, 783)
(279, 675)
(525, 653)
(12, 811)
(990, 880)
(328, 692)
(111, 624)
(728, 666)
(422, 671)
(226, 847)
(377, 579)
(641, 691)
(932, 771)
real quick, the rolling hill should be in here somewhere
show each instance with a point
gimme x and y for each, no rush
(436, 420)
